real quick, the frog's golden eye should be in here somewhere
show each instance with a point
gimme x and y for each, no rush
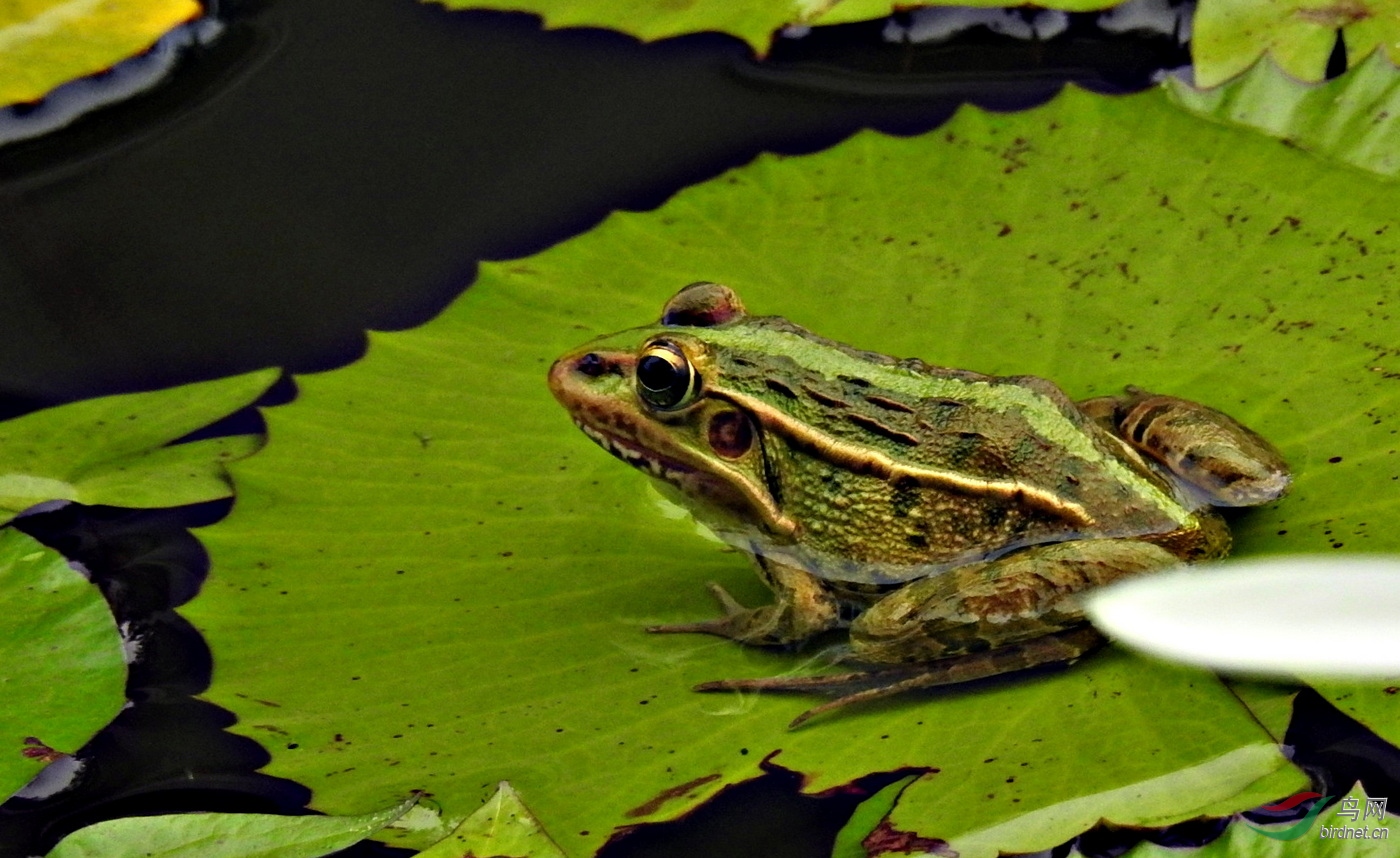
(665, 378)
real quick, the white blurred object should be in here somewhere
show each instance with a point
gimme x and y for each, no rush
(1163, 17)
(940, 23)
(1283, 616)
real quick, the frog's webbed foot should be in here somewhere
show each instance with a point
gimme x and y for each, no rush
(729, 624)
(860, 686)
(786, 622)
(803, 609)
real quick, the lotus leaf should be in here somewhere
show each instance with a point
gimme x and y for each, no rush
(1318, 836)
(433, 581)
(52, 705)
(223, 835)
(1230, 35)
(1352, 119)
(117, 449)
(503, 826)
(45, 43)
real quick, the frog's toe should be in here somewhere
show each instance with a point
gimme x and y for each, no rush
(731, 623)
(847, 655)
(825, 682)
(718, 626)
(753, 626)
(727, 603)
(790, 621)
(851, 687)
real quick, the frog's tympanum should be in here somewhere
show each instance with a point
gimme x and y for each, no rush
(947, 519)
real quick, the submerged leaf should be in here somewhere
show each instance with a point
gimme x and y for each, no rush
(45, 43)
(113, 450)
(453, 581)
(223, 835)
(1354, 119)
(61, 663)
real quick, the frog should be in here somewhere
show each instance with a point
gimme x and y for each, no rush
(948, 521)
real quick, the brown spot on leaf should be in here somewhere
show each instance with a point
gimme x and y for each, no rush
(1334, 15)
(678, 791)
(35, 749)
(259, 701)
(886, 840)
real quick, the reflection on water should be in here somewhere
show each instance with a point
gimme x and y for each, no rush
(127, 78)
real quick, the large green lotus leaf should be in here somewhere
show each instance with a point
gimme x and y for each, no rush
(61, 663)
(433, 581)
(1001, 804)
(1354, 118)
(1328, 835)
(45, 43)
(755, 22)
(223, 835)
(1229, 35)
(113, 450)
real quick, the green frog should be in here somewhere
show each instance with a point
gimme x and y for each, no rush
(946, 519)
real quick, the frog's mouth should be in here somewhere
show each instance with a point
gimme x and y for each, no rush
(595, 387)
(634, 454)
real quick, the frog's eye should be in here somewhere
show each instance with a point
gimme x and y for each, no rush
(665, 379)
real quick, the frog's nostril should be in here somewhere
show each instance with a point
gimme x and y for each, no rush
(591, 365)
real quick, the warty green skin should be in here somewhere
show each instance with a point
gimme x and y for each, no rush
(955, 516)
(866, 529)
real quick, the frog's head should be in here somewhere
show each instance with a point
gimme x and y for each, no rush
(651, 396)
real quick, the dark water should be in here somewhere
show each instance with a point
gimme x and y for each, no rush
(327, 167)
(323, 168)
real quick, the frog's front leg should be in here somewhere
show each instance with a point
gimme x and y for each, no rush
(1223, 460)
(980, 620)
(803, 607)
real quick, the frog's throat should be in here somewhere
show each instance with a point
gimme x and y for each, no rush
(677, 472)
(863, 460)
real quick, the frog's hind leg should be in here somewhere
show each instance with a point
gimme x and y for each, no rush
(1058, 648)
(803, 607)
(1224, 461)
(975, 621)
